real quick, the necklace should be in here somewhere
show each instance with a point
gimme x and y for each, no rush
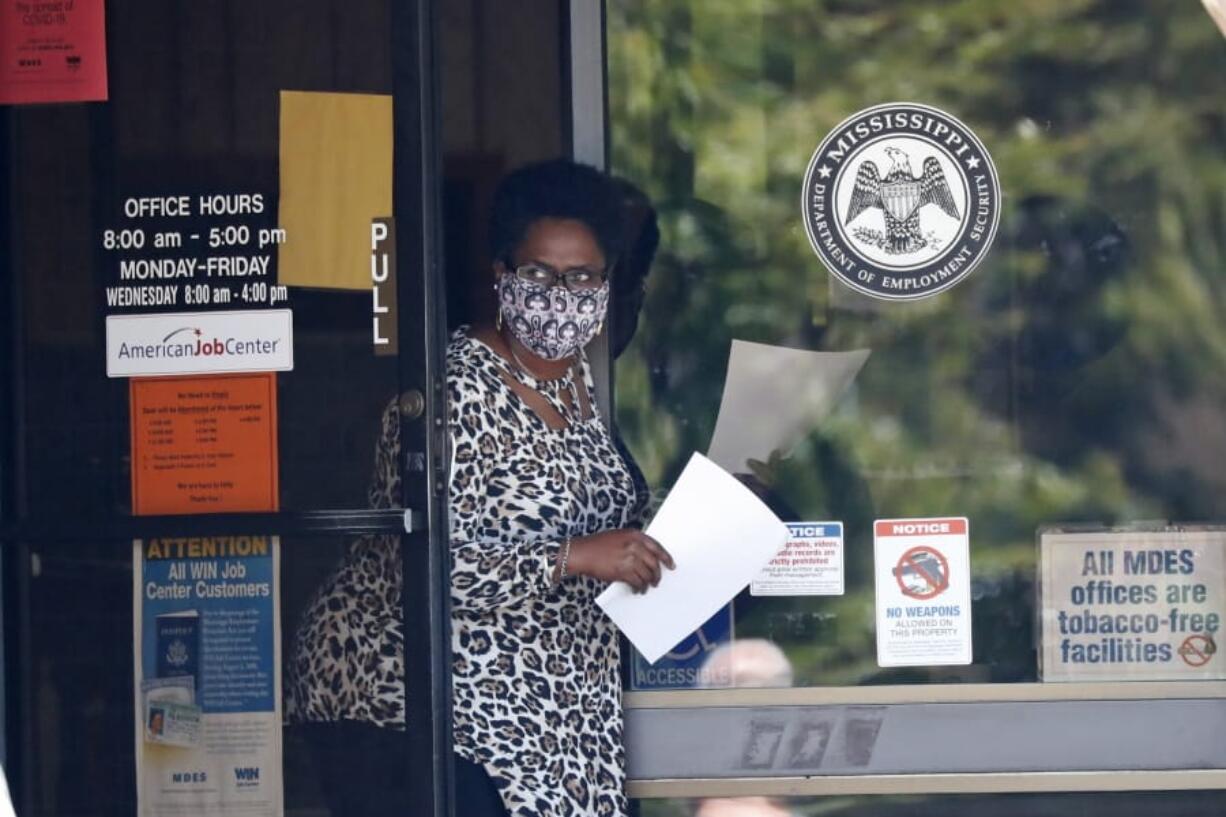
(566, 380)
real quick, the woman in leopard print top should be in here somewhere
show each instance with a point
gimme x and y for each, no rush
(543, 511)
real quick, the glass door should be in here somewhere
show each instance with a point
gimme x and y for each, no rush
(940, 283)
(223, 435)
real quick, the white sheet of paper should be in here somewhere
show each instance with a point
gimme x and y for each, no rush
(1217, 10)
(719, 534)
(6, 805)
(774, 397)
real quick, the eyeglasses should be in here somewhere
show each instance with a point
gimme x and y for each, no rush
(579, 279)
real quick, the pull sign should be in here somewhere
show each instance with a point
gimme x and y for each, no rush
(383, 286)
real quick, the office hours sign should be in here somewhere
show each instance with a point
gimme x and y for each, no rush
(1132, 605)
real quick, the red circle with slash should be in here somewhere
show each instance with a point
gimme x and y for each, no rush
(929, 566)
(1196, 650)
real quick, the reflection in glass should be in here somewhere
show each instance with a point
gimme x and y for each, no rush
(1073, 377)
(746, 662)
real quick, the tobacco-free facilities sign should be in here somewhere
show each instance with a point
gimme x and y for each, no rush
(923, 580)
(1133, 605)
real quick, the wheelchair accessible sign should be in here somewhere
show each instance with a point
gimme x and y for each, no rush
(923, 579)
(686, 666)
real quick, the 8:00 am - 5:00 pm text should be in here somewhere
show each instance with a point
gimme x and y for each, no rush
(158, 267)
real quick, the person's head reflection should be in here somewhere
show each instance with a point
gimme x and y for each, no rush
(741, 807)
(746, 662)
(640, 239)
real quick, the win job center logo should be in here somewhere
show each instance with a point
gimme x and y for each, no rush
(901, 201)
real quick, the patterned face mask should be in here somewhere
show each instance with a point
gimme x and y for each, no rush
(554, 323)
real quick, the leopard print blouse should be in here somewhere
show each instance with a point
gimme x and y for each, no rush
(535, 683)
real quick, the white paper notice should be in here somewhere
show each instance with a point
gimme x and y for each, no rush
(774, 397)
(719, 534)
(1217, 10)
(923, 569)
(6, 805)
(810, 564)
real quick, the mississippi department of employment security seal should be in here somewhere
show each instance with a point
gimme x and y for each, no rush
(901, 201)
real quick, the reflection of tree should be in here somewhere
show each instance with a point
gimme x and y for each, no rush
(1074, 377)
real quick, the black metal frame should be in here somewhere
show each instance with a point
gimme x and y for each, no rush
(14, 657)
(416, 205)
(285, 523)
(9, 360)
(423, 328)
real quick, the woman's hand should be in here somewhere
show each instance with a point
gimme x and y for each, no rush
(623, 555)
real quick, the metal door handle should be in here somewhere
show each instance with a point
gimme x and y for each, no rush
(412, 404)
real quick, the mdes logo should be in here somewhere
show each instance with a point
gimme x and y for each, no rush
(901, 201)
(189, 777)
(194, 343)
(246, 777)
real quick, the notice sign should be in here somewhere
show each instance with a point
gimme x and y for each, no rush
(810, 564)
(52, 51)
(1132, 605)
(204, 444)
(923, 582)
(207, 637)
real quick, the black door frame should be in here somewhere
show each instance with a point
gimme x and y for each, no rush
(417, 203)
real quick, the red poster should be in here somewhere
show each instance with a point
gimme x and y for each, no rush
(52, 51)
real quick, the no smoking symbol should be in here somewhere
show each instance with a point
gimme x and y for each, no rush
(922, 573)
(1196, 650)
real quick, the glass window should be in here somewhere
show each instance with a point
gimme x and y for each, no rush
(1073, 377)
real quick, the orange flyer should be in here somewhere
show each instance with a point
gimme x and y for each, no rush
(204, 444)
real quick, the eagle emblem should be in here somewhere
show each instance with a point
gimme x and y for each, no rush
(900, 196)
(909, 251)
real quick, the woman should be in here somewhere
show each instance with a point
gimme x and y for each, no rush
(542, 514)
